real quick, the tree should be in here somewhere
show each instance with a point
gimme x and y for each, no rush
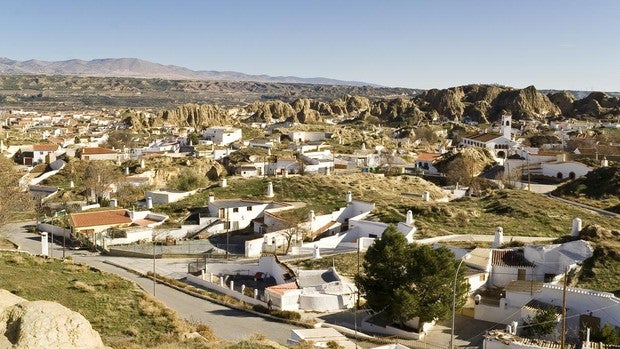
(97, 176)
(542, 324)
(187, 180)
(607, 335)
(407, 280)
(12, 198)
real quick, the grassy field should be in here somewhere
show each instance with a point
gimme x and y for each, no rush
(124, 315)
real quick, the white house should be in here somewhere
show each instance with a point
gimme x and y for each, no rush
(499, 144)
(424, 162)
(562, 169)
(306, 136)
(522, 298)
(162, 197)
(222, 135)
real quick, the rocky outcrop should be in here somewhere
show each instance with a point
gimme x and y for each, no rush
(597, 104)
(269, 111)
(43, 324)
(447, 103)
(347, 105)
(563, 100)
(398, 110)
(525, 103)
(199, 116)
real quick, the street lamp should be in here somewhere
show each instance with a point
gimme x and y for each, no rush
(456, 274)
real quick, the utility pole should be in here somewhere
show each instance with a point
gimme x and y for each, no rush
(564, 309)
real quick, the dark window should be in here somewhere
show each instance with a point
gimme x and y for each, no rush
(235, 209)
(249, 208)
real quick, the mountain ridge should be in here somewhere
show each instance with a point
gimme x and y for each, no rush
(139, 68)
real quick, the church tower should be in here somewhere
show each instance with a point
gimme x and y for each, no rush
(506, 126)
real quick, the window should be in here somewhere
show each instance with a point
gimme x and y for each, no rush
(521, 274)
(235, 209)
(483, 277)
(249, 208)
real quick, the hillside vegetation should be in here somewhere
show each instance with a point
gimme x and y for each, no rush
(518, 212)
(599, 188)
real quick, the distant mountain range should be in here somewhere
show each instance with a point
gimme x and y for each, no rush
(138, 68)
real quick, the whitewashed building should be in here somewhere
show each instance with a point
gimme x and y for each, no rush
(222, 135)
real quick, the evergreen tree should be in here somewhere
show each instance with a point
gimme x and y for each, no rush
(407, 280)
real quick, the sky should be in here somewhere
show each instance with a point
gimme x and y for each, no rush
(551, 44)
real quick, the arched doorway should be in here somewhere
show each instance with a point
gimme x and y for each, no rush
(501, 154)
(559, 175)
(571, 175)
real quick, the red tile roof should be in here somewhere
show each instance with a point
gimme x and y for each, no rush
(97, 218)
(45, 147)
(282, 288)
(428, 156)
(97, 150)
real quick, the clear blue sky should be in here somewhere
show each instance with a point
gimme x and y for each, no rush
(408, 43)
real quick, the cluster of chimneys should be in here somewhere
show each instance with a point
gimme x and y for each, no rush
(499, 232)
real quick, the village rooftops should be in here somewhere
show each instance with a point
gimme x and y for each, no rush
(282, 288)
(535, 305)
(97, 151)
(524, 286)
(313, 278)
(428, 156)
(45, 147)
(97, 218)
(483, 137)
(510, 258)
(232, 203)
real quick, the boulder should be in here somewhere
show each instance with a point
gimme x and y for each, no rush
(44, 324)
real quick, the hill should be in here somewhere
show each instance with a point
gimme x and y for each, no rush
(138, 68)
(599, 188)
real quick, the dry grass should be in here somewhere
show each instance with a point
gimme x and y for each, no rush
(84, 287)
(124, 315)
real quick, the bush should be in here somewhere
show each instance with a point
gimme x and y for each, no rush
(286, 314)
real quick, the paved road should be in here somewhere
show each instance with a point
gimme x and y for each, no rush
(228, 324)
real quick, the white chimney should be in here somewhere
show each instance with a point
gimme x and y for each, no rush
(44, 246)
(604, 162)
(317, 252)
(223, 182)
(426, 196)
(364, 146)
(211, 198)
(149, 202)
(71, 184)
(576, 227)
(269, 190)
(499, 237)
(113, 203)
(311, 216)
(515, 324)
(142, 164)
(127, 170)
(348, 197)
(409, 219)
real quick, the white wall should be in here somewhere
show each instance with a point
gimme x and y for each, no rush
(197, 280)
(502, 275)
(266, 265)
(132, 236)
(552, 169)
(166, 197)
